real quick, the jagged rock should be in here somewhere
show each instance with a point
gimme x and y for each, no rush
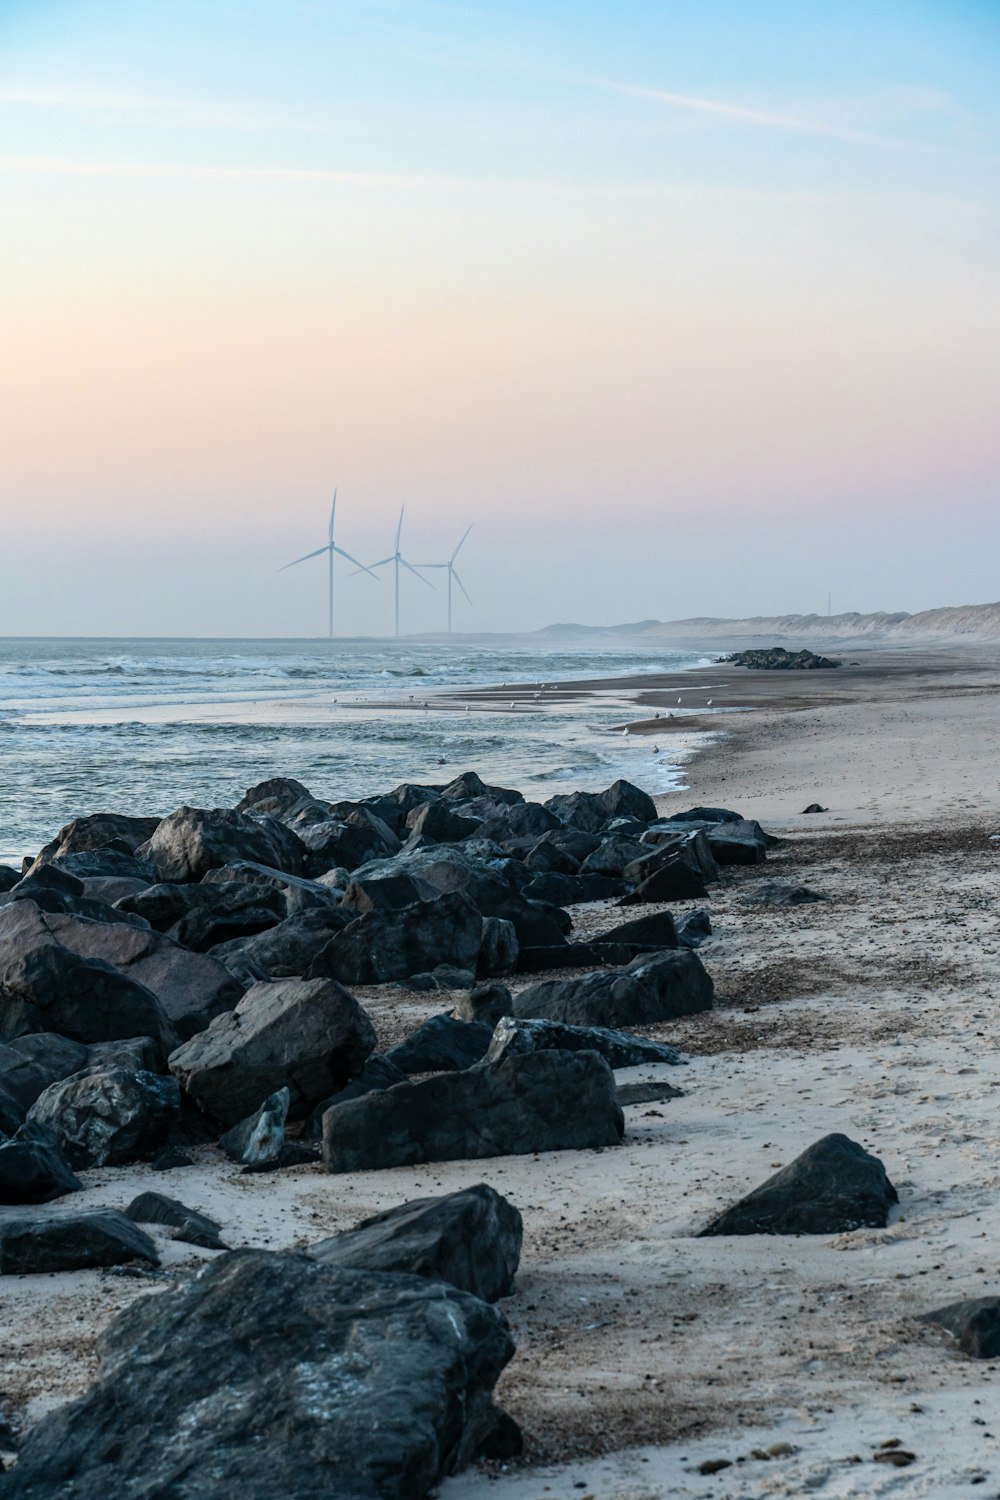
(814, 807)
(71, 1242)
(33, 1168)
(8, 878)
(694, 929)
(106, 863)
(706, 815)
(22, 1079)
(285, 950)
(44, 985)
(441, 1045)
(469, 785)
(574, 956)
(170, 1160)
(272, 1375)
(618, 1048)
(193, 840)
(310, 1034)
(679, 852)
(106, 890)
(137, 1053)
(975, 1323)
(360, 837)
(658, 930)
(499, 948)
(189, 988)
(279, 796)
(299, 894)
(572, 890)
(583, 810)
(261, 1137)
(96, 831)
(612, 855)
(833, 1187)
(444, 977)
(777, 893)
(673, 880)
(471, 1238)
(188, 1224)
(440, 823)
(109, 1117)
(647, 1093)
(660, 987)
(50, 1056)
(377, 1074)
(541, 1101)
(546, 857)
(198, 916)
(384, 945)
(486, 1003)
(390, 892)
(622, 799)
(523, 820)
(51, 889)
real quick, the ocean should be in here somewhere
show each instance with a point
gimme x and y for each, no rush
(143, 726)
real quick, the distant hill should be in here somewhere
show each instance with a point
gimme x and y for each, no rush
(971, 622)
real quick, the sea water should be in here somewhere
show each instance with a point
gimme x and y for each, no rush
(143, 726)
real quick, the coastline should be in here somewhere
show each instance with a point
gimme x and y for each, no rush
(642, 1350)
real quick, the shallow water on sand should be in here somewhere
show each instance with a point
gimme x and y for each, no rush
(142, 726)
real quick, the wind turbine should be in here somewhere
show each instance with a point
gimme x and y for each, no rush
(400, 561)
(452, 573)
(330, 548)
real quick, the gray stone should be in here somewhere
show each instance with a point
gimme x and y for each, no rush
(659, 987)
(260, 1137)
(441, 1045)
(618, 1048)
(109, 1117)
(187, 1223)
(33, 1168)
(385, 945)
(975, 1323)
(194, 840)
(833, 1187)
(71, 1242)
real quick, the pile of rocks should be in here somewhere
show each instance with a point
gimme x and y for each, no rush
(776, 658)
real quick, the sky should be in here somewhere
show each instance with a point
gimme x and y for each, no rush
(688, 307)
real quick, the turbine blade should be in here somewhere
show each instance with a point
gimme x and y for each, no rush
(399, 528)
(363, 569)
(461, 543)
(359, 565)
(460, 584)
(333, 512)
(415, 573)
(318, 553)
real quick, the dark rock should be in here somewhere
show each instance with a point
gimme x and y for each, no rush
(360, 837)
(390, 892)
(190, 988)
(468, 786)
(440, 823)
(280, 796)
(974, 1323)
(583, 810)
(8, 878)
(285, 950)
(660, 987)
(170, 1160)
(33, 1168)
(545, 857)
(377, 1074)
(499, 948)
(109, 1117)
(21, 1079)
(612, 855)
(814, 807)
(384, 945)
(319, 1382)
(485, 1004)
(572, 890)
(106, 890)
(44, 985)
(574, 956)
(71, 1243)
(104, 864)
(137, 1053)
(618, 1048)
(647, 1093)
(53, 1056)
(193, 840)
(673, 880)
(622, 799)
(681, 852)
(833, 1187)
(743, 843)
(542, 1101)
(777, 893)
(444, 977)
(706, 815)
(441, 1045)
(310, 1034)
(525, 820)
(261, 1136)
(96, 831)
(471, 1238)
(299, 894)
(777, 658)
(658, 930)
(51, 889)
(198, 916)
(190, 1225)
(694, 929)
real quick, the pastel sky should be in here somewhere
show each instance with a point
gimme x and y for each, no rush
(690, 306)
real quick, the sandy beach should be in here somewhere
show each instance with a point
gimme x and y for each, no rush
(643, 1351)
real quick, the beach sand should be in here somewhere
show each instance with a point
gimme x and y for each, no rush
(644, 1351)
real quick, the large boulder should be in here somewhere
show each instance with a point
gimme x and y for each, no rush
(975, 1323)
(439, 822)
(299, 893)
(540, 1101)
(198, 916)
(441, 1045)
(281, 797)
(310, 1034)
(833, 1187)
(273, 1375)
(287, 949)
(189, 988)
(389, 892)
(33, 1168)
(658, 930)
(186, 1224)
(471, 1238)
(51, 889)
(624, 800)
(109, 1117)
(384, 945)
(618, 1048)
(96, 831)
(71, 1242)
(193, 840)
(660, 987)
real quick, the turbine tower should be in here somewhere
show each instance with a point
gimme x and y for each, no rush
(330, 548)
(452, 573)
(400, 561)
